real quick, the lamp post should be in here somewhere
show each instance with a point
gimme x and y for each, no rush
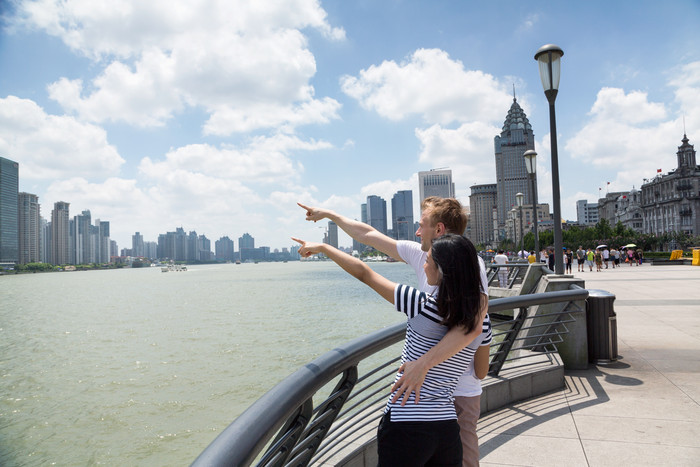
(549, 59)
(531, 166)
(519, 201)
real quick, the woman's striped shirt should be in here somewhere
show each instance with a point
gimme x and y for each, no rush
(423, 332)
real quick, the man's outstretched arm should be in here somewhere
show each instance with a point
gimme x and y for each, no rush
(363, 233)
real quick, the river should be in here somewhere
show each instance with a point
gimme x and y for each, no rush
(139, 367)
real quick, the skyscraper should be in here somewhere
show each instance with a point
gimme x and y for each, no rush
(29, 233)
(102, 243)
(376, 213)
(511, 175)
(137, 247)
(9, 195)
(60, 233)
(333, 234)
(402, 215)
(223, 248)
(436, 182)
(83, 243)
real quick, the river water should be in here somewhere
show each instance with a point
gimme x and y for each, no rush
(140, 367)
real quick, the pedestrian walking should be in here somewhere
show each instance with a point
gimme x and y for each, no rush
(580, 258)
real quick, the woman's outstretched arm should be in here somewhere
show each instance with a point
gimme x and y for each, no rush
(352, 266)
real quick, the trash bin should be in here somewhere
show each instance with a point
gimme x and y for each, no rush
(601, 323)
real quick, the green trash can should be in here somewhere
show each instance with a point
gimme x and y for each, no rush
(601, 324)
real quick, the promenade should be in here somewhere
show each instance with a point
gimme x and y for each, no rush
(643, 409)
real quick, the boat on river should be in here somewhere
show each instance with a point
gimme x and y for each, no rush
(174, 268)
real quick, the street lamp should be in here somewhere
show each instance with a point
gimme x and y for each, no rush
(519, 201)
(531, 167)
(549, 58)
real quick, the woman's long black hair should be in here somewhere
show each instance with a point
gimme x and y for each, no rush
(459, 297)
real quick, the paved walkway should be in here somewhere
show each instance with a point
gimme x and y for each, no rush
(643, 409)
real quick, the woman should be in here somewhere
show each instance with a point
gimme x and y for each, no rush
(425, 433)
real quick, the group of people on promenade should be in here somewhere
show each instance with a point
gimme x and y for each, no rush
(431, 415)
(602, 256)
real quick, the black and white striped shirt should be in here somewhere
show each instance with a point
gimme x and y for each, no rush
(423, 331)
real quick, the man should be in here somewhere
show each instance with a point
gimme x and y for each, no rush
(502, 259)
(439, 216)
(580, 258)
(590, 257)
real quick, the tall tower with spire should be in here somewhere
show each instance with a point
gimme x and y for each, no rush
(511, 175)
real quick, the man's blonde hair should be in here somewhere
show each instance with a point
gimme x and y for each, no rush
(449, 211)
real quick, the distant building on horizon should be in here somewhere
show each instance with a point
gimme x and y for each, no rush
(137, 245)
(402, 215)
(376, 213)
(9, 203)
(29, 230)
(333, 234)
(224, 249)
(435, 182)
(60, 233)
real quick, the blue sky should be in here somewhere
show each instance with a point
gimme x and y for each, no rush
(218, 116)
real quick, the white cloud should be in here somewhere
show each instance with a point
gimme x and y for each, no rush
(613, 104)
(628, 136)
(430, 84)
(467, 150)
(245, 63)
(50, 147)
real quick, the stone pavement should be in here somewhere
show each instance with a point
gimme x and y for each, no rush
(643, 409)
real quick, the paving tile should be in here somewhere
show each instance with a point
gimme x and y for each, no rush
(638, 430)
(614, 454)
(522, 450)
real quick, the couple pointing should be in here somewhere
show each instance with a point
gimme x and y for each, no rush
(446, 351)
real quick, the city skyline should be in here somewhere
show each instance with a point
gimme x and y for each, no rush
(222, 116)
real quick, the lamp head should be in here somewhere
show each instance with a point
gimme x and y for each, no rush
(530, 161)
(546, 55)
(519, 199)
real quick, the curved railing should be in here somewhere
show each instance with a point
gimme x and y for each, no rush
(304, 434)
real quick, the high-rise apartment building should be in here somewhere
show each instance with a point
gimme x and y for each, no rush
(586, 213)
(511, 175)
(29, 219)
(60, 233)
(9, 228)
(333, 234)
(376, 213)
(482, 201)
(223, 249)
(402, 215)
(102, 242)
(246, 247)
(83, 241)
(137, 245)
(436, 182)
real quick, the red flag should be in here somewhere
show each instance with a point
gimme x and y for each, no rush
(658, 171)
(608, 183)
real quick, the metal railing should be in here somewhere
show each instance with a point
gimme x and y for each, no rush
(284, 427)
(516, 273)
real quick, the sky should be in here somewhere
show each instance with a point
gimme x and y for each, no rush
(218, 116)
